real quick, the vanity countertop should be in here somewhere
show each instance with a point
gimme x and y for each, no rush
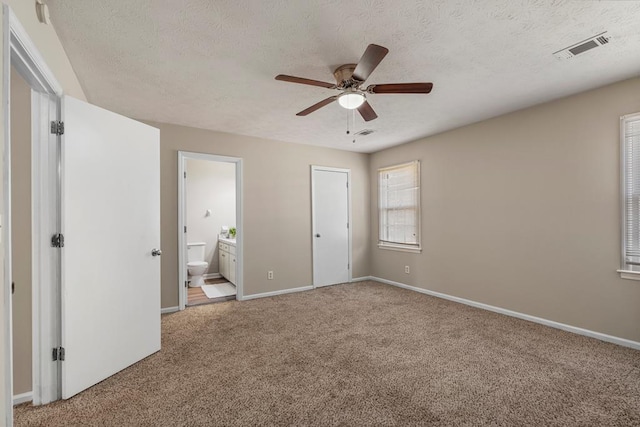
(231, 242)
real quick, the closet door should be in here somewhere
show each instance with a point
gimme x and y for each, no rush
(331, 237)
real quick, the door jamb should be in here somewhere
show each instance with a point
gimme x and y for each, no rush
(21, 53)
(182, 240)
(315, 168)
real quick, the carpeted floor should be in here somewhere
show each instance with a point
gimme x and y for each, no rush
(359, 354)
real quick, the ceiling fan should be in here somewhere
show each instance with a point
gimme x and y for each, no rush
(349, 80)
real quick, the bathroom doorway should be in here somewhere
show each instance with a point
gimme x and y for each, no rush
(209, 226)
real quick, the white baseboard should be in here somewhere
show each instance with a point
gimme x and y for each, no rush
(274, 293)
(580, 331)
(22, 398)
(169, 310)
(212, 275)
(362, 279)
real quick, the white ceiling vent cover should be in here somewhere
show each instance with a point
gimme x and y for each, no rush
(583, 46)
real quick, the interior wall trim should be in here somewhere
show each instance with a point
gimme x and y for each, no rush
(362, 279)
(281, 292)
(574, 329)
(22, 397)
(167, 310)
(21, 52)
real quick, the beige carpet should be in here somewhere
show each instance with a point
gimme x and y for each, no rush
(360, 354)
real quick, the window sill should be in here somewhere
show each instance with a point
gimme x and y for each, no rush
(629, 275)
(401, 248)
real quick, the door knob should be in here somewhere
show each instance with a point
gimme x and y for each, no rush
(156, 252)
(317, 235)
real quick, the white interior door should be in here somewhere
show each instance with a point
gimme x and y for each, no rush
(111, 223)
(331, 248)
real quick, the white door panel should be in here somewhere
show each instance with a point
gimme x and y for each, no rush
(111, 222)
(330, 226)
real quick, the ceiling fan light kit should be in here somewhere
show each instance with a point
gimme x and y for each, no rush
(349, 80)
(351, 100)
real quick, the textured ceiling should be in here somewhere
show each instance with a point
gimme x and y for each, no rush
(211, 64)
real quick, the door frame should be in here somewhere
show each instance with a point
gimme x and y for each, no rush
(183, 156)
(315, 168)
(20, 52)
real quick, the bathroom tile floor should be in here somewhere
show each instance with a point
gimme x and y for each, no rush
(195, 296)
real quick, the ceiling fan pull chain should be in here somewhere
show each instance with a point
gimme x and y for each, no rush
(353, 120)
(348, 122)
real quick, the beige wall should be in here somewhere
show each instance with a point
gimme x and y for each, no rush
(21, 231)
(210, 186)
(47, 42)
(523, 212)
(277, 206)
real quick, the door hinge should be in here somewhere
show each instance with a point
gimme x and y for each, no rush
(57, 241)
(185, 228)
(185, 174)
(58, 354)
(57, 127)
(347, 225)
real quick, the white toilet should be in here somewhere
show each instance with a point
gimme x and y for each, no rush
(196, 265)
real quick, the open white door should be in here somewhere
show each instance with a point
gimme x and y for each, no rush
(331, 247)
(111, 225)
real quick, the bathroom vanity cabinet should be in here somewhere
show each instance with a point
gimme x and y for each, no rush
(227, 259)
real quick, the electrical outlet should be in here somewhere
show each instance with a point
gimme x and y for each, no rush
(406, 269)
(270, 275)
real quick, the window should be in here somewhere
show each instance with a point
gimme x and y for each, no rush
(630, 132)
(399, 207)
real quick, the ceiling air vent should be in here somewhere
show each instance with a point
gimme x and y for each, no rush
(365, 132)
(583, 46)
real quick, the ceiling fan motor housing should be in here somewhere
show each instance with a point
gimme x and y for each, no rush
(344, 76)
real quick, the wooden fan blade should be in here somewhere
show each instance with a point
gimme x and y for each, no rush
(303, 81)
(367, 112)
(369, 61)
(401, 88)
(317, 106)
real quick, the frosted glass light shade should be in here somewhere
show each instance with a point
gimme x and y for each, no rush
(351, 100)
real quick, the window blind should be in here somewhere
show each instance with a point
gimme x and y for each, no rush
(631, 142)
(399, 204)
